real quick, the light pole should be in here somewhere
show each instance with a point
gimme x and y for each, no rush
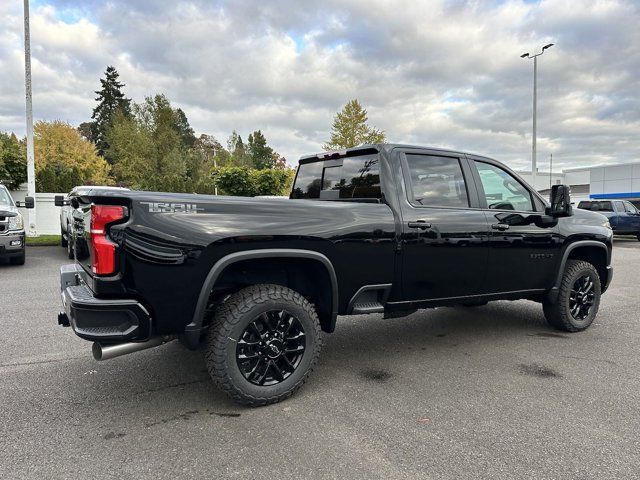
(535, 101)
(31, 182)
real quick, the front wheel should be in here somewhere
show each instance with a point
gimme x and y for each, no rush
(578, 299)
(263, 345)
(63, 239)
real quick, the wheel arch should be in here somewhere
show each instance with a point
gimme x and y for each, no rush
(194, 329)
(590, 251)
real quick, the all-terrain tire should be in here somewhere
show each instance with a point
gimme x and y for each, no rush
(234, 317)
(558, 313)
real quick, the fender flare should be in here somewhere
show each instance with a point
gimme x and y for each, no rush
(565, 256)
(194, 329)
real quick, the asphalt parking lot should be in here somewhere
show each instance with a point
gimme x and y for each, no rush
(490, 392)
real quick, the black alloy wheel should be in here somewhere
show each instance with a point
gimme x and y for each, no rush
(263, 343)
(582, 297)
(576, 303)
(271, 348)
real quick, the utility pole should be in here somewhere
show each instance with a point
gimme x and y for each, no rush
(32, 231)
(550, 170)
(534, 166)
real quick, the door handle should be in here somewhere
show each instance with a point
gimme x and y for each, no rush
(421, 224)
(500, 226)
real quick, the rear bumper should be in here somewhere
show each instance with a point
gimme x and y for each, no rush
(11, 244)
(97, 319)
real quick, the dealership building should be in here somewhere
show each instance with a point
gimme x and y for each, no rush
(620, 181)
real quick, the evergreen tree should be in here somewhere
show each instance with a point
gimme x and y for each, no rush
(350, 128)
(187, 134)
(110, 100)
(238, 151)
(261, 154)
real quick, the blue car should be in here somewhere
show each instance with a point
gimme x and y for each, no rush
(623, 216)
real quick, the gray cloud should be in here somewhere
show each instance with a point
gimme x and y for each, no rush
(444, 73)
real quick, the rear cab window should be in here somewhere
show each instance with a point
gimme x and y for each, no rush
(604, 206)
(342, 179)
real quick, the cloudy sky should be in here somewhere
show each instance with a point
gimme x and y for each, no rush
(431, 72)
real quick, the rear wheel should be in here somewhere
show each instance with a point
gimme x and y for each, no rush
(264, 343)
(578, 299)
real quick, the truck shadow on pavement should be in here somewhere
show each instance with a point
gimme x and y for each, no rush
(363, 349)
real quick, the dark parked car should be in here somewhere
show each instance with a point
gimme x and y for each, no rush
(376, 229)
(622, 214)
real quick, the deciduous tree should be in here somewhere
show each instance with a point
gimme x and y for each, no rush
(63, 159)
(13, 161)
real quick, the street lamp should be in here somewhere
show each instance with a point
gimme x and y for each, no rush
(32, 231)
(535, 98)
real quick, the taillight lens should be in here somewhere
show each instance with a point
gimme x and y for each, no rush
(103, 250)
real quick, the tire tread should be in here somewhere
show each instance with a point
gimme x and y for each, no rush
(557, 312)
(231, 313)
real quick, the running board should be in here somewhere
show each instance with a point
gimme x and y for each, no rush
(364, 308)
(369, 299)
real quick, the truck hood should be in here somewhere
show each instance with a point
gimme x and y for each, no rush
(8, 211)
(587, 217)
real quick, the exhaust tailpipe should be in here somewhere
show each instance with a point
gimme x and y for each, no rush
(106, 352)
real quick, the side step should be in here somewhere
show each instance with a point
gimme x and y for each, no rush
(368, 307)
(369, 299)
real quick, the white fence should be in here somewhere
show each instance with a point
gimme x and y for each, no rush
(47, 214)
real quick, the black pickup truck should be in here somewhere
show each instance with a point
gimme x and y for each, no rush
(375, 229)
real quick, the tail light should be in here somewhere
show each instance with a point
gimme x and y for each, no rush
(103, 250)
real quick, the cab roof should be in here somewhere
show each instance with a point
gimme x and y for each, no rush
(369, 149)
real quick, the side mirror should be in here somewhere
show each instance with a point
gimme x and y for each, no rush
(560, 199)
(29, 202)
(58, 200)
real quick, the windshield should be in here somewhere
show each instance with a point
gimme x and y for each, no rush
(5, 199)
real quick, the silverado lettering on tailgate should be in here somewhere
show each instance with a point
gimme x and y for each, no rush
(164, 207)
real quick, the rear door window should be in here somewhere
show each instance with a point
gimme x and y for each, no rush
(584, 205)
(619, 206)
(436, 181)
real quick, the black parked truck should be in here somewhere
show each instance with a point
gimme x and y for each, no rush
(375, 229)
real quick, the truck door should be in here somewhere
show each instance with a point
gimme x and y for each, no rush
(621, 217)
(522, 255)
(631, 217)
(444, 234)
